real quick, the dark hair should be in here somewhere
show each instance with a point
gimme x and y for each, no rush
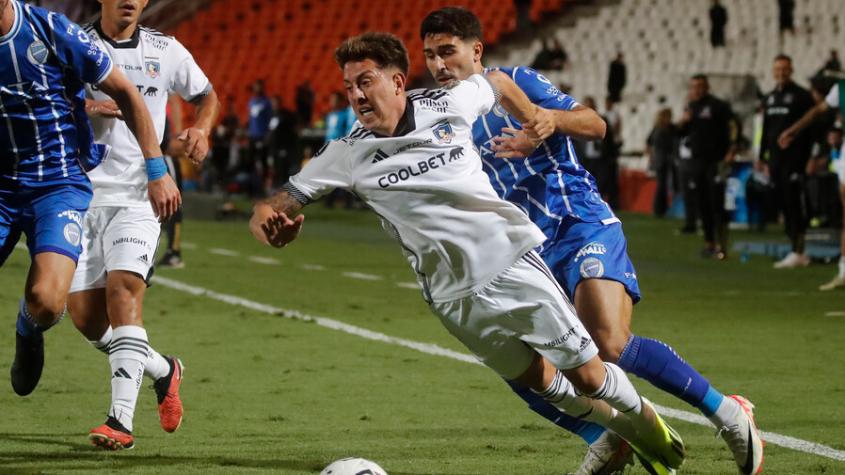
(455, 21)
(700, 77)
(383, 48)
(783, 57)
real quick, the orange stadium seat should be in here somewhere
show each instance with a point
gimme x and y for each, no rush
(287, 42)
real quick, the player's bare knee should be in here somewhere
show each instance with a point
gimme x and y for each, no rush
(44, 305)
(612, 345)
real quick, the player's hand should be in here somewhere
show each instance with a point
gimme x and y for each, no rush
(786, 138)
(165, 197)
(514, 143)
(542, 125)
(687, 117)
(272, 227)
(107, 108)
(194, 144)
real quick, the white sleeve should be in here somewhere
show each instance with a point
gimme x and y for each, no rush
(832, 98)
(329, 169)
(188, 80)
(475, 96)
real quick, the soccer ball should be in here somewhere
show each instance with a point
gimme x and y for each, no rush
(353, 466)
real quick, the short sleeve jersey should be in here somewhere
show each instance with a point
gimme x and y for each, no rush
(45, 60)
(158, 65)
(427, 184)
(550, 184)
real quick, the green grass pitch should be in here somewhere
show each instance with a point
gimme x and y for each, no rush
(265, 394)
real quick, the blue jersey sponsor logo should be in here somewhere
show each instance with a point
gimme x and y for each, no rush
(591, 268)
(37, 52)
(593, 248)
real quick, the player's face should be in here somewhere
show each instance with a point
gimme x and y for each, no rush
(782, 71)
(123, 12)
(697, 89)
(376, 94)
(449, 57)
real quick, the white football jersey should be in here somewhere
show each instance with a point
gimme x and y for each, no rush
(158, 65)
(427, 184)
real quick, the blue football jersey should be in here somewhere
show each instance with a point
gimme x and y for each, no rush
(551, 184)
(45, 60)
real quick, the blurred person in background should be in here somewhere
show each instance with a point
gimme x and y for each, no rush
(662, 150)
(709, 132)
(260, 113)
(823, 200)
(304, 104)
(617, 77)
(786, 16)
(835, 99)
(339, 121)
(282, 140)
(718, 20)
(598, 155)
(782, 107)
(551, 56)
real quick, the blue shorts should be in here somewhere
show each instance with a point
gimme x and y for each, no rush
(584, 250)
(50, 216)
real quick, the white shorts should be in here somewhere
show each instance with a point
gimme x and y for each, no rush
(521, 311)
(115, 239)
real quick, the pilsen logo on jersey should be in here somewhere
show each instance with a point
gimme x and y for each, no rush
(443, 132)
(153, 68)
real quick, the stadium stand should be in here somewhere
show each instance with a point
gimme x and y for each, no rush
(665, 41)
(285, 42)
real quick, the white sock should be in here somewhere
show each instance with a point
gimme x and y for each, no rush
(726, 413)
(618, 392)
(562, 395)
(842, 267)
(128, 354)
(103, 343)
(156, 367)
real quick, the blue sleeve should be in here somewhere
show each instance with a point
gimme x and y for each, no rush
(76, 50)
(540, 90)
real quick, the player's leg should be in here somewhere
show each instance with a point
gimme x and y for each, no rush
(42, 307)
(604, 303)
(839, 281)
(52, 220)
(129, 246)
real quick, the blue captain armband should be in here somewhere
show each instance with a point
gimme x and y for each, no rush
(156, 168)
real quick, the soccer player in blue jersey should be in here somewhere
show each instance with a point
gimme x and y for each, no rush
(46, 145)
(585, 247)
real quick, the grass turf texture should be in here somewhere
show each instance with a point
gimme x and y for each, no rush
(267, 394)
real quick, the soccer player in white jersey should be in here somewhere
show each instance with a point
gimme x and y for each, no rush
(584, 247)
(412, 161)
(835, 100)
(46, 148)
(120, 230)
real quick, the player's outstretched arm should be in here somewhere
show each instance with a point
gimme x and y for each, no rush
(271, 223)
(538, 122)
(580, 123)
(164, 196)
(787, 136)
(195, 139)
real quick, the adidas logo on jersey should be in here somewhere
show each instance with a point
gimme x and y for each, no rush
(379, 156)
(144, 259)
(121, 373)
(585, 342)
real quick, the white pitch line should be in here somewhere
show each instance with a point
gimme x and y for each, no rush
(264, 260)
(188, 245)
(408, 285)
(431, 349)
(834, 314)
(313, 267)
(224, 252)
(21, 246)
(361, 276)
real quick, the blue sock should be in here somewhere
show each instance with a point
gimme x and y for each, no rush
(588, 431)
(26, 325)
(657, 363)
